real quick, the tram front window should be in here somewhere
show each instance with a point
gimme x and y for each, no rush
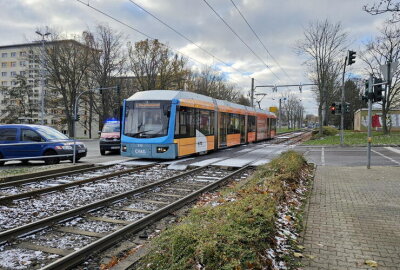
(145, 119)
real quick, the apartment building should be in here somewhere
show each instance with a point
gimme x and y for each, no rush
(20, 63)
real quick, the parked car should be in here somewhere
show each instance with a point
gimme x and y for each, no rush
(110, 137)
(35, 141)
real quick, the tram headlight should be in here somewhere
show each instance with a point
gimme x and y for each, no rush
(123, 148)
(162, 149)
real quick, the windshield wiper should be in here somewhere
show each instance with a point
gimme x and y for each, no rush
(137, 133)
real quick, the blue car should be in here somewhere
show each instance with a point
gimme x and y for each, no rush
(25, 142)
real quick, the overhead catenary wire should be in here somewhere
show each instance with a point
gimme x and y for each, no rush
(185, 37)
(150, 37)
(237, 35)
(262, 43)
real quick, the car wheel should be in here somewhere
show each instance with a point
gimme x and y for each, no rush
(51, 160)
(1, 162)
(102, 152)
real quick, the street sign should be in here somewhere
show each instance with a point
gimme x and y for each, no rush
(385, 70)
(273, 109)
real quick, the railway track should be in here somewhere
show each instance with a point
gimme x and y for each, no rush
(71, 232)
(65, 239)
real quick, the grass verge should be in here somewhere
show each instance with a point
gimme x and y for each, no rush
(357, 138)
(5, 172)
(250, 225)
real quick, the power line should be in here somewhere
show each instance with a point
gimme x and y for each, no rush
(241, 14)
(186, 38)
(234, 32)
(148, 36)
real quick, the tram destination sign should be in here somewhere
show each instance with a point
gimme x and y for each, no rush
(148, 105)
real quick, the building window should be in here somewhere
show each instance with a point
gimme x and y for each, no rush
(3, 83)
(13, 64)
(22, 63)
(22, 73)
(4, 64)
(22, 53)
(13, 73)
(13, 54)
(4, 74)
(4, 55)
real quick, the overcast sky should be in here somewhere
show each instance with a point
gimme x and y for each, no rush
(279, 24)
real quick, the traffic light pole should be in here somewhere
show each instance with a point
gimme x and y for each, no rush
(370, 87)
(343, 106)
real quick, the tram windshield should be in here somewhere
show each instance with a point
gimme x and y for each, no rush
(146, 119)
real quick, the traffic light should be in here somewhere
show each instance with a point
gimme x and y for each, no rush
(78, 117)
(378, 89)
(101, 90)
(351, 57)
(118, 88)
(332, 108)
(339, 108)
(347, 107)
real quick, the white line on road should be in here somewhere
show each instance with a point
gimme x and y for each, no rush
(393, 150)
(323, 156)
(389, 158)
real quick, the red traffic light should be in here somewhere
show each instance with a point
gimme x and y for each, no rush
(332, 108)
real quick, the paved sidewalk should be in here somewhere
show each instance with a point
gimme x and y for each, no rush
(354, 216)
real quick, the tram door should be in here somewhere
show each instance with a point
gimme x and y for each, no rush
(223, 123)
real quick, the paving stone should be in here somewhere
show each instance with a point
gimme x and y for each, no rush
(353, 216)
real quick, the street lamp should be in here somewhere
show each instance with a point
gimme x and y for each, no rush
(42, 75)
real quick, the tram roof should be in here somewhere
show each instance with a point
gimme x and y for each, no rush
(176, 94)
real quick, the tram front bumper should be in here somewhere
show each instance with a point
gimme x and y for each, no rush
(157, 151)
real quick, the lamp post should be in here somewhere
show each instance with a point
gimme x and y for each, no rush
(42, 76)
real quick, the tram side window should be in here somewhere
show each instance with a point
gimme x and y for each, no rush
(185, 122)
(206, 122)
(234, 126)
(251, 123)
(273, 124)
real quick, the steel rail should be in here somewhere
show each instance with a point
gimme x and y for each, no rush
(46, 177)
(44, 173)
(76, 257)
(43, 223)
(74, 183)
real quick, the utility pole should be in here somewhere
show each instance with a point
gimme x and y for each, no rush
(370, 91)
(252, 92)
(42, 76)
(343, 106)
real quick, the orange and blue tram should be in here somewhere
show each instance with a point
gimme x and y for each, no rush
(165, 124)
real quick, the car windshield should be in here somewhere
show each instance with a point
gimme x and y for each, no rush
(51, 134)
(146, 119)
(111, 127)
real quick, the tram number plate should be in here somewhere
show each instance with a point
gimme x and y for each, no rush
(81, 151)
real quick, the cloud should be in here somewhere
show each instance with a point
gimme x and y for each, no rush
(278, 24)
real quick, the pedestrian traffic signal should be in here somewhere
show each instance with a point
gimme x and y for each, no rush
(339, 108)
(332, 108)
(78, 117)
(351, 57)
(378, 89)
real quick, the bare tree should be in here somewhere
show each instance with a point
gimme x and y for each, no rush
(67, 63)
(109, 61)
(211, 83)
(292, 111)
(385, 48)
(385, 6)
(323, 45)
(155, 66)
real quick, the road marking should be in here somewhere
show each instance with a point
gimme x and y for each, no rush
(393, 150)
(389, 158)
(323, 156)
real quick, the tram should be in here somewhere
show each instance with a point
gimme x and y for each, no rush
(165, 124)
